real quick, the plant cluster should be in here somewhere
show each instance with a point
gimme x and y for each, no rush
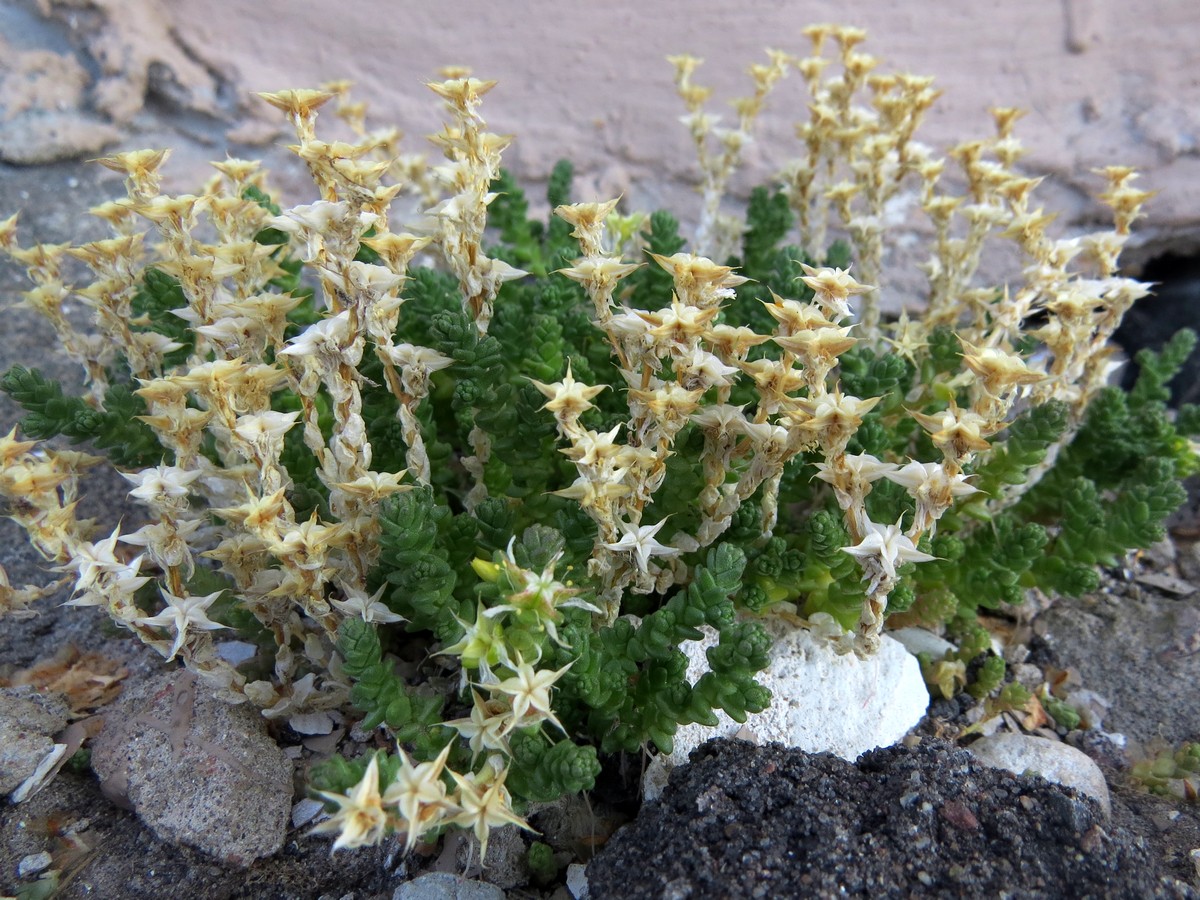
(1172, 772)
(477, 479)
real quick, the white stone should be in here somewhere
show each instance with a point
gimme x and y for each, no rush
(919, 640)
(33, 863)
(577, 882)
(821, 701)
(1053, 760)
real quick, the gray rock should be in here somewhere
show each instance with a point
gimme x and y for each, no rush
(445, 886)
(39, 137)
(1053, 760)
(28, 722)
(506, 865)
(34, 863)
(196, 770)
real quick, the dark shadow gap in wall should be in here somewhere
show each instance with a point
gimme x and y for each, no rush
(1174, 304)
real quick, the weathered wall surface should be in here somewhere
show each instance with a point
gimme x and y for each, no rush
(1104, 81)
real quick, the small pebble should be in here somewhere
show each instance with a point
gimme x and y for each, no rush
(33, 863)
(304, 811)
(577, 882)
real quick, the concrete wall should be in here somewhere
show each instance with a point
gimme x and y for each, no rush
(1104, 81)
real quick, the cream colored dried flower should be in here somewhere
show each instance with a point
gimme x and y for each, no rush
(640, 542)
(164, 487)
(569, 399)
(886, 546)
(360, 818)
(182, 614)
(529, 693)
(484, 803)
(419, 795)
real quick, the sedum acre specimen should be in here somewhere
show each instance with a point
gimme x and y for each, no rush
(474, 477)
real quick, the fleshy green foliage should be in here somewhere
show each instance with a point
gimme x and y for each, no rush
(377, 691)
(972, 665)
(542, 770)
(650, 286)
(418, 573)
(1013, 695)
(990, 568)
(536, 247)
(114, 429)
(628, 683)
(988, 677)
(772, 267)
(1063, 714)
(1026, 440)
(831, 581)
(1172, 772)
(1114, 486)
(540, 860)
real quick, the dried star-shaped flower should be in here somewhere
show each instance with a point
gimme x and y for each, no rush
(265, 431)
(485, 804)
(183, 613)
(488, 726)
(833, 288)
(593, 448)
(601, 271)
(731, 342)
(887, 546)
(368, 608)
(956, 432)
(700, 280)
(997, 369)
(640, 541)
(163, 486)
(419, 795)
(375, 486)
(852, 479)
(680, 324)
(167, 542)
(11, 449)
(588, 219)
(258, 513)
(529, 689)
(298, 103)
(591, 492)
(795, 316)
(100, 576)
(568, 398)
(931, 482)
(360, 816)
(324, 338)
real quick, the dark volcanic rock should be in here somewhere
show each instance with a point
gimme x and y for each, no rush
(746, 821)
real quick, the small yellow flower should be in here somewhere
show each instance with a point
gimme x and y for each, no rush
(485, 803)
(298, 104)
(360, 816)
(419, 795)
(569, 398)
